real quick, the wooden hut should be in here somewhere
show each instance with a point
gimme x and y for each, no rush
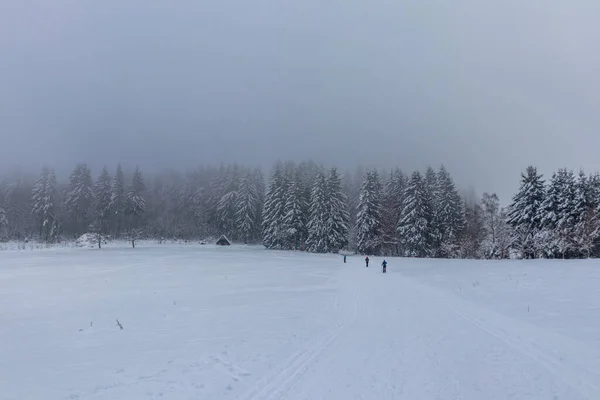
(223, 241)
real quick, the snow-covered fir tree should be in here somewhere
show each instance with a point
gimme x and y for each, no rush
(226, 206)
(246, 207)
(414, 230)
(504, 236)
(3, 225)
(102, 203)
(565, 223)
(295, 231)
(368, 218)
(393, 202)
(258, 181)
(550, 215)
(586, 228)
(118, 202)
(43, 200)
(449, 218)
(274, 210)
(135, 201)
(524, 213)
(318, 235)
(338, 217)
(79, 198)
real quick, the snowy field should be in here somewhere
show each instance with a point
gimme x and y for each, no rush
(201, 322)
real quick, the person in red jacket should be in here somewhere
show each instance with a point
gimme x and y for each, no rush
(367, 261)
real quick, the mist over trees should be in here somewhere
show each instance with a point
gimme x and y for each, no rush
(308, 207)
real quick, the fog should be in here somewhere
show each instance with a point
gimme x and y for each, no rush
(484, 87)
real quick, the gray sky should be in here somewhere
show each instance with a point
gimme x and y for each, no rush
(485, 87)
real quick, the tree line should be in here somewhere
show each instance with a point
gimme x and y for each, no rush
(308, 207)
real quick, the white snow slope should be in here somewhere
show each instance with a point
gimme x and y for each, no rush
(201, 322)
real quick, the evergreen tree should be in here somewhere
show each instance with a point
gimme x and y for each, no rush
(492, 224)
(550, 214)
(3, 225)
(226, 207)
(102, 203)
(338, 217)
(294, 219)
(414, 228)
(318, 238)
(273, 211)
(566, 215)
(524, 213)
(504, 236)
(43, 199)
(368, 218)
(135, 206)
(449, 220)
(258, 182)
(586, 229)
(246, 207)
(118, 202)
(393, 202)
(79, 198)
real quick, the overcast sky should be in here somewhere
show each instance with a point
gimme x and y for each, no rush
(485, 87)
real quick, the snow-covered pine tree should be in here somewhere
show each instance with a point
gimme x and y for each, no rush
(566, 214)
(226, 207)
(414, 230)
(294, 219)
(504, 236)
(273, 210)
(135, 206)
(3, 225)
(549, 216)
(432, 187)
(393, 202)
(37, 200)
(43, 201)
(586, 229)
(338, 218)
(491, 224)
(449, 220)
(353, 185)
(368, 218)
(102, 202)
(595, 195)
(79, 199)
(318, 235)
(524, 212)
(118, 202)
(215, 193)
(246, 208)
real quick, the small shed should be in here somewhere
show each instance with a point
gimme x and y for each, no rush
(223, 241)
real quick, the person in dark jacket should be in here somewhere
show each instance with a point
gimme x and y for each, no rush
(367, 261)
(384, 266)
(344, 259)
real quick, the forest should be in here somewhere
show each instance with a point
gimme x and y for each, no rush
(308, 207)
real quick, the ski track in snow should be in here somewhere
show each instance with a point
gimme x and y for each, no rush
(202, 322)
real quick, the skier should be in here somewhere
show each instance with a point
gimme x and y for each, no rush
(367, 261)
(344, 259)
(384, 265)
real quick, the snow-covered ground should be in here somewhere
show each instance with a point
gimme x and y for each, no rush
(201, 322)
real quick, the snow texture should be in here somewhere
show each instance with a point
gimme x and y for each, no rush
(241, 322)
